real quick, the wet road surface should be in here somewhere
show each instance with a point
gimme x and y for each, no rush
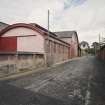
(78, 82)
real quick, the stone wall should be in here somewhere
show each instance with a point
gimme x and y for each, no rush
(20, 65)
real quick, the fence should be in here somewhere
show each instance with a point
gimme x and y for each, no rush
(101, 53)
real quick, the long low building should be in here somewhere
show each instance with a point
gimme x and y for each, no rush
(28, 42)
(70, 37)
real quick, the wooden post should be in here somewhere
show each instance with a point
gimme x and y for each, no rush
(99, 41)
(46, 41)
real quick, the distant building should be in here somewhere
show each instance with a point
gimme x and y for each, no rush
(70, 37)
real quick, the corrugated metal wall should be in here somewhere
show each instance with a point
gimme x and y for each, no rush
(8, 44)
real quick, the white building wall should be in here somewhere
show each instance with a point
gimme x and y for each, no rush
(31, 44)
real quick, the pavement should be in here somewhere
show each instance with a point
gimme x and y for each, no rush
(77, 82)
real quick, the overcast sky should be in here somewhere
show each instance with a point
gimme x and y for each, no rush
(87, 17)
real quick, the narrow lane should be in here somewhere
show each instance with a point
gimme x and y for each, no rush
(78, 82)
(97, 83)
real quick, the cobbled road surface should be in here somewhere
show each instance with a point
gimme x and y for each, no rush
(80, 81)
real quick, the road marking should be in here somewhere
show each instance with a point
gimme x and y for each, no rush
(87, 97)
(88, 93)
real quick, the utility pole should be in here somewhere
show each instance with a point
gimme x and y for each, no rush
(48, 19)
(47, 41)
(99, 41)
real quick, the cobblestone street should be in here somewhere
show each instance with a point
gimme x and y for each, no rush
(78, 82)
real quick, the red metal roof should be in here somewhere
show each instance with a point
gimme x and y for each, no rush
(20, 25)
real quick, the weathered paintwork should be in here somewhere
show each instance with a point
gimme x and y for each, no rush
(28, 40)
(36, 41)
(8, 44)
(73, 45)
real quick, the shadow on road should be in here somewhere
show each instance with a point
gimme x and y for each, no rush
(11, 95)
(97, 83)
(78, 82)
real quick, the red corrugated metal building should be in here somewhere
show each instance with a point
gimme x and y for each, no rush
(33, 39)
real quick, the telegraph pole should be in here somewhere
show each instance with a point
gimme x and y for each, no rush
(48, 19)
(99, 44)
(47, 41)
(99, 41)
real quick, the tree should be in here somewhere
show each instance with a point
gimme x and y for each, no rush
(96, 46)
(84, 47)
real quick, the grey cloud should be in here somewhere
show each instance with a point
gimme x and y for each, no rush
(88, 19)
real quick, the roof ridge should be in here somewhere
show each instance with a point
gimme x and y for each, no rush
(65, 31)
